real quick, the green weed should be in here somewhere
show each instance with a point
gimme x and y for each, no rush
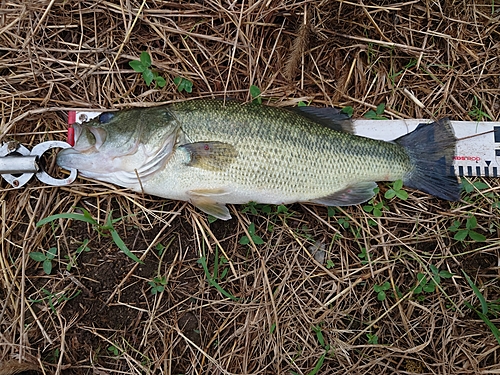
(114, 350)
(103, 230)
(485, 308)
(143, 66)
(213, 278)
(363, 256)
(267, 209)
(429, 284)
(348, 110)
(160, 249)
(377, 114)
(462, 233)
(46, 259)
(374, 208)
(53, 299)
(54, 356)
(256, 239)
(183, 84)
(158, 284)
(381, 289)
(477, 112)
(393, 75)
(396, 190)
(471, 187)
(255, 94)
(73, 258)
(372, 339)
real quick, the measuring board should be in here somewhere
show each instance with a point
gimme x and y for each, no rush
(478, 145)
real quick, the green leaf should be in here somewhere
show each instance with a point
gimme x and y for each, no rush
(477, 292)
(368, 208)
(183, 84)
(244, 240)
(454, 227)
(319, 335)
(380, 109)
(255, 93)
(372, 339)
(301, 104)
(471, 222)
(389, 194)
(476, 236)
(121, 245)
(494, 329)
(461, 234)
(145, 59)
(38, 257)
(160, 288)
(348, 111)
(281, 209)
(266, 209)
(429, 288)
(479, 185)
(47, 266)
(397, 185)
(51, 253)
(445, 274)
(257, 240)
(467, 186)
(316, 368)
(148, 76)
(72, 216)
(160, 81)
(370, 115)
(137, 66)
(381, 295)
(402, 194)
(251, 228)
(434, 269)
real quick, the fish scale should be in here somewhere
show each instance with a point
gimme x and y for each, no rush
(211, 153)
(318, 159)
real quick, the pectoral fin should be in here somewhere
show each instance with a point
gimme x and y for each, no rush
(213, 156)
(354, 194)
(206, 201)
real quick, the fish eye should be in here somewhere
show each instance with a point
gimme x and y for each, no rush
(106, 117)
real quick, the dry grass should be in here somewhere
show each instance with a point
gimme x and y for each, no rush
(57, 55)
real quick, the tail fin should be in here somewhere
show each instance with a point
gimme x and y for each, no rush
(431, 148)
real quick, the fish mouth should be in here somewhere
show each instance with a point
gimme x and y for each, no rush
(66, 158)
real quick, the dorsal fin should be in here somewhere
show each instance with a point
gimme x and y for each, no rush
(330, 117)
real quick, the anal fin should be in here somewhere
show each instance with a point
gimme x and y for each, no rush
(205, 200)
(351, 195)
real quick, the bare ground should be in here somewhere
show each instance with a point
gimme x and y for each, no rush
(273, 308)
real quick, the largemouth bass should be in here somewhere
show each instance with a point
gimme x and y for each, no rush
(211, 153)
